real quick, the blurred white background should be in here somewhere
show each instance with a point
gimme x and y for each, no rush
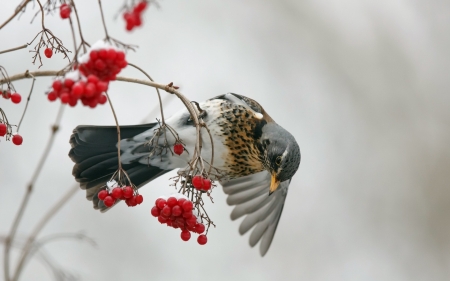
(362, 85)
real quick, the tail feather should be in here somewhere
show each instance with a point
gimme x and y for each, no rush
(94, 151)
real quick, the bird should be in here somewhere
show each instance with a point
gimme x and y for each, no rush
(258, 158)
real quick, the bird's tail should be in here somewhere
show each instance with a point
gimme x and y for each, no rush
(94, 151)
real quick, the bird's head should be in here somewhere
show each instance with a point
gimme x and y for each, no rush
(281, 154)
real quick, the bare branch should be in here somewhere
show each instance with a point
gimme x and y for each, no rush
(23, 205)
(39, 226)
(14, 49)
(18, 10)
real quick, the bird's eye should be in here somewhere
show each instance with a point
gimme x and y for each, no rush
(278, 161)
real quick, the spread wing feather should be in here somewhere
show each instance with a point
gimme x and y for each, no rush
(251, 196)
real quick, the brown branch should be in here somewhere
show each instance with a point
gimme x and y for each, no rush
(18, 9)
(14, 49)
(23, 205)
(39, 226)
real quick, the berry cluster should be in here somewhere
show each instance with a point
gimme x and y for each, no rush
(91, 77)
(126, 193)
(201, 183)
(64, 11)
(104, 63)
(71, 89)
(178, 213)
(133, 17)
(15, 97)
(178, 148)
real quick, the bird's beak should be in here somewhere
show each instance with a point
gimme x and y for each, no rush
(274, 182)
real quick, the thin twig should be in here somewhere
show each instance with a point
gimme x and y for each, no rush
(26, 105)
(118, 132)
(18, 218)
(14, 49)
(72, 3)
(157, 90)
(18, 9)
(39, 226)
(103, 19)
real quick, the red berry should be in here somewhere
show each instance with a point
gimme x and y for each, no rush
(181, 201)
(127, 192)
(16, 98)
(92, 78)
(102, 99)
(93, 103)
(202, 239)
(178, 149)
(120, 56)
(187, 214)
(180, 221)
(187, 206)
(162, 219)
(48, 52)
(199, 228)
(68, 83)
(139, 199)
(102, 86)
(90, 90)
(206, 184)
(109, 201)
(52, 96)
(131, 202)
(64, 11)
(172, 201)
(65, 97)
(176, 211)
(78, 89)
(161, 203)
(103, 54)
(197, 181)
(93, 55)
(3, 129)
(140, 7)
(185, 235)
(155, 211)
(57, 85)
(192, 221)
(73, 101)
(102, 194)
(167, 211)
(99, 64)
(117, 192)
(111, 54)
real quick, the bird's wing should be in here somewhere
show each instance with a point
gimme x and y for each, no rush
(251, 196)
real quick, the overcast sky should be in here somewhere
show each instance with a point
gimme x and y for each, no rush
(362, 85)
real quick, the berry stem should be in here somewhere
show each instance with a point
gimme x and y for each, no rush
(118, 133)
(26, 105)
(157, 90)
(103, 19)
